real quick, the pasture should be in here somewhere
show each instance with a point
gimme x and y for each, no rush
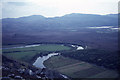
(78, 69)
(28, 53)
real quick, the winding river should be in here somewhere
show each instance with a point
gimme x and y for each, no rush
(40, 60)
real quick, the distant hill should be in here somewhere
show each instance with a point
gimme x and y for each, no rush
(36, 23)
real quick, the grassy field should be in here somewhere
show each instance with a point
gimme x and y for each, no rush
(27, 53)
(59, 61)
(78, 69)
(23, 56)
(42, 47)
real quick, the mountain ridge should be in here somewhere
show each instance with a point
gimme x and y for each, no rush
(59, 16)
(69, 21)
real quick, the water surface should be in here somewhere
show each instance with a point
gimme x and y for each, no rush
(40, 60)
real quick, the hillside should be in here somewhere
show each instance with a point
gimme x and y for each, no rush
(36, 23)
(12, 69)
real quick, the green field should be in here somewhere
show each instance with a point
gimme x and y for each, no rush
(42, 47)
(27, 53)
(78, 69)
(59, 61)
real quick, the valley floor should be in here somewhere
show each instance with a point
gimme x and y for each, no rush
(78, 69)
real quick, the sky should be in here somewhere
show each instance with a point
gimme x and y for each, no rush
(53, 8)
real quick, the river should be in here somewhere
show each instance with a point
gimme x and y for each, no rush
(40, 60)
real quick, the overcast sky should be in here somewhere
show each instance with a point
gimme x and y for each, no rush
(52, 8)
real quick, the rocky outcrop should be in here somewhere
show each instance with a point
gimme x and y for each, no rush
(12, 69)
